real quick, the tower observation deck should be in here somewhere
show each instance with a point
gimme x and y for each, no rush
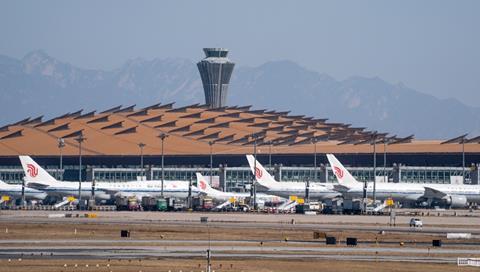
(215, 71)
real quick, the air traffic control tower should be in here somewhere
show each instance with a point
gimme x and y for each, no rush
(215, 71)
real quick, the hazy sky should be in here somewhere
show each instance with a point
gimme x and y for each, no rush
(432, 46)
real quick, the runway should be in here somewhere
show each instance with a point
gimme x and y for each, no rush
(235, 236)
(290, 252)
(28, 243)
(432, 224)
(463, 217)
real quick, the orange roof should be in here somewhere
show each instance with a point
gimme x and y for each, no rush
(191, 129)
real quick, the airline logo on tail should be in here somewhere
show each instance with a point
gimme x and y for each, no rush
(338, 172)
(341, 173)
(203, 185)
(261, 175)
(32, 170)
(258, 173)
(36, 174)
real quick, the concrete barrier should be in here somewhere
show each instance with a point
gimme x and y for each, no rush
(351, 241)
(56, 215)
(459, 235)
(330, 240)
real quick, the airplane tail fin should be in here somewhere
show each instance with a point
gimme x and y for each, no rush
(343, 176)
(261, 175)
(36, 174)
(203, 185)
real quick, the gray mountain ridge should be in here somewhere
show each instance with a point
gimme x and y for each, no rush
(39, 84)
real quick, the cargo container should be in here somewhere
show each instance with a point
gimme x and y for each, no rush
(333, 206)
(149, 203)
(352, 206)
(162, 204)
(122, 203)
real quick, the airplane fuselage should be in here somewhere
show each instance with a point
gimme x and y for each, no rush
(107, 190)
(413, 191)
(316, 191)
(15, 191)
(225, 196)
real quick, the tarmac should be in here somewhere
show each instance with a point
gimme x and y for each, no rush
(243, 249)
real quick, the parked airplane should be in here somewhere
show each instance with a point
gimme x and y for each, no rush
(319, 191)
(454, 196)
(36, 177)
(220, 196)
(15, 191)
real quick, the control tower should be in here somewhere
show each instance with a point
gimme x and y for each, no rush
(215, 71)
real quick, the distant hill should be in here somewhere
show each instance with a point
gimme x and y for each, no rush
(39, 84)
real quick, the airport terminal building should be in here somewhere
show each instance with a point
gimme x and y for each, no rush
(193, 135)
(213, 137)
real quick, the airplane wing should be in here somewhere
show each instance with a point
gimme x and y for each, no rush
(260, 187)
(108, 191)
(35, 185)
(340, 188)
(433, 193)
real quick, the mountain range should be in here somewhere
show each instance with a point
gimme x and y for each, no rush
(39, 84)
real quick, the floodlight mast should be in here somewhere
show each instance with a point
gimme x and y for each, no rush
(61, 145)
(80, 139)
(210, 143)
(162, 137)
(142, 170)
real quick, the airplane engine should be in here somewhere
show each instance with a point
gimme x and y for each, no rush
(102, 196)
(423, 204)
(456, 201)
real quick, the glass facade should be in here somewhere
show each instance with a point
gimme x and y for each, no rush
(15, 175)
(237, 177)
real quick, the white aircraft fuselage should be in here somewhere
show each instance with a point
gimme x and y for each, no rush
(15, 191)
(414, 191)
(454, 195)
(108, 190)
(287, 189)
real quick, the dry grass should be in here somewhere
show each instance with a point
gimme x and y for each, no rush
(219, 265)
(274, 236)
(184, 232)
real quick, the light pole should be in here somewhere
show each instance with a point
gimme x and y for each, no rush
(162, 137)
(374, 167)
(80, 139)
(385, 140)
(463, 158)
(93, 189)
(253, 191)
(210, 143)
(61, 145)
(23, 192)
(314, 160)
(141, 145)
(270, 157)
(307, 189)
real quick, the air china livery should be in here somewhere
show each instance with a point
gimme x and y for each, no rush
(319, 191)
(15, 191)
(36, 177)
(220, 196)
(455, 196)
